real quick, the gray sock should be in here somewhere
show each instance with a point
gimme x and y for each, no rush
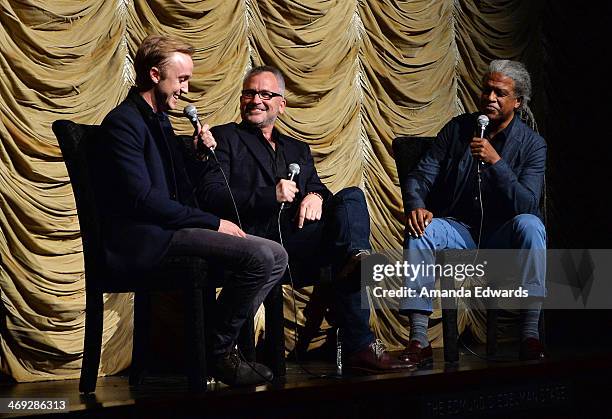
(530, 318)
(418, 328)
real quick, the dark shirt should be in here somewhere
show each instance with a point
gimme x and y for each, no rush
(277, 155)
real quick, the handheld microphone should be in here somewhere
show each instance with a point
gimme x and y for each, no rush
(482, 121)
(294, 170)
(191, 113)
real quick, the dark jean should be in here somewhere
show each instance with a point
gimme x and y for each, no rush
(343, 228)
(257, 264)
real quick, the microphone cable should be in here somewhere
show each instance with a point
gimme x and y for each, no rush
(483, 121)
(294, 169)
(191, 113)
(461, 341)
(295, 322)
(480, 229)
(484, 357)
(479, 183)
(280, 235)
(229, 190)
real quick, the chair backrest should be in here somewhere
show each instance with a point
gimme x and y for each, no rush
(407, 152)
(75, 142)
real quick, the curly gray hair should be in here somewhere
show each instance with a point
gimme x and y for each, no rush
(522, 85)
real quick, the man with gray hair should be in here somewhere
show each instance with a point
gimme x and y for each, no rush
(479, 185)
(316, 227)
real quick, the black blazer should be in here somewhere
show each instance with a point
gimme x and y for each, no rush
(143, 191)
(245, 161)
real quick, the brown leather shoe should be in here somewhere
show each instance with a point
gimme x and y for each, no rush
(416, 354)
(532, 350)
(375, 358)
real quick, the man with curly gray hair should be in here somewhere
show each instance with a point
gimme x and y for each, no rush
(480, 185)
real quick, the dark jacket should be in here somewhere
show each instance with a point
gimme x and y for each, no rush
(246, 163)
(510, 187)
(143, 191)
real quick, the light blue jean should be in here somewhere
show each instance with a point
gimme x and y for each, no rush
(524, 231)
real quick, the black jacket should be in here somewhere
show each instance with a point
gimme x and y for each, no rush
(143, 191)
(246, 162)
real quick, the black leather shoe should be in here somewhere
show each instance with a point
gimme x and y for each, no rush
(532, 350)
(375, 358)
(233, 371)
(416, 354)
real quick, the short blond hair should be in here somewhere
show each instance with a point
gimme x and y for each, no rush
(155, 51)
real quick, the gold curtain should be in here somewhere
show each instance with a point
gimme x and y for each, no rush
(359, 73)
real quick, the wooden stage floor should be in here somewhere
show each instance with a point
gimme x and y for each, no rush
(570, 385)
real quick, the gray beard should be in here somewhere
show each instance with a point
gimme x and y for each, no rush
(265, 123)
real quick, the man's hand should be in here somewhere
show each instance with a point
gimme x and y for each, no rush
(311, 209)
(417, 220)
(482, 150)
(285, 191)
(230, 228)
(203, 140)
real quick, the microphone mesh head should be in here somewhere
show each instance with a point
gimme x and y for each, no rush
(190, 111)
(294, 169)
(483, 121)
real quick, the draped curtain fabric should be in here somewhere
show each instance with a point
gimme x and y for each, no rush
(358, 74)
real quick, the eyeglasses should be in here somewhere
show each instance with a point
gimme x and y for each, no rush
(263, 94)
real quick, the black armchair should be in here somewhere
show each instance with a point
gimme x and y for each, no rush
(186, 273)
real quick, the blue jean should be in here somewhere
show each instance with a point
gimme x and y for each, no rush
(524, 231)
(343, 228)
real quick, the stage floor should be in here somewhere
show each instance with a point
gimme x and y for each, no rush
(568, 385)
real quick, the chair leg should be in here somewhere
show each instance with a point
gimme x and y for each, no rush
(142, 328)
(246, 338)
(92, 347)
(450, 335)
(450, 331)
(492, 315)
(275, 336)
(195, 344)
(542, 328)
(314, 314)
(209, 296)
